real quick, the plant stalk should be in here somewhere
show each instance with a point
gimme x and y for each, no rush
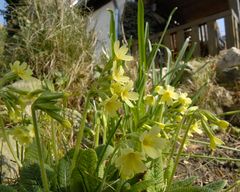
(179, 153)
(40, 152)
(80, 135)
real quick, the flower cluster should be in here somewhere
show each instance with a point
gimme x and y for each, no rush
(131, 162)
(22, 70)
(23, 134)
(121, 85)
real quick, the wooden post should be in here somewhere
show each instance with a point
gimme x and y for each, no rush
(212, 38)
(195, 39)
(235, 6)
(237, 30)
(230, 31)
(180, 39)
(167, 41)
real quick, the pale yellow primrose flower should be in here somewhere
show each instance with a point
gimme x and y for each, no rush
(111, 105)
(121, 52)
(214, 142)
(223, 124)
(24, 135)
(116, 88)
(152, 143)
(149, 100)
(130, 163)
(127, 95)
(118, 72)
(22, 70)
(195, 127)
(168, 94)
(184, 100)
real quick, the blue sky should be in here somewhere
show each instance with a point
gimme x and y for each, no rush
(2, 7)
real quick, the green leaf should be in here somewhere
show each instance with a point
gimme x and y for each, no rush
(183, 183)
(83, 176)
(141, 40)
(6, 188)
(191, 189)
(141, 186)
(63, 174)
(87, 160)
(156, 173)
(30, 176)
(169, 170)
(216, 186)
(112, 31)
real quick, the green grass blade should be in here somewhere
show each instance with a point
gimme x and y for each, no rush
(112, 31)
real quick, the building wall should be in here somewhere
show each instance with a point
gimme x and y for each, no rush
(100, 20)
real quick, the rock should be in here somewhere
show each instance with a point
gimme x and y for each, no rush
(9, 169)
(228, 67)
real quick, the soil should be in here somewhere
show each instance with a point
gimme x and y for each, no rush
(208, 170)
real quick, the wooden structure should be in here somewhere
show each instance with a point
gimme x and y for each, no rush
(197, 20)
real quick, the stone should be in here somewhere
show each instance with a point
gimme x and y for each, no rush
(228, 67)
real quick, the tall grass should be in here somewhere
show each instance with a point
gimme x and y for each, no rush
(54, 40)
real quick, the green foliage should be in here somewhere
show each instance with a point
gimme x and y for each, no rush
(63, 174)
(5, 188)
(83, 176)
(156, 173)
(54, 39)
(30, 176)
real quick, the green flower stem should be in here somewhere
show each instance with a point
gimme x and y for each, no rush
(6, 138)
(54, 139)
(190, 120)
(189, 155)
(119, 186)
(80, 134)
(220, 146)
(96, 136)
(40, 151)
(232, 186)
(105, 129)
(176, 139)
(229, 113)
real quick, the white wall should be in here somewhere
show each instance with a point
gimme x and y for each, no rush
(101, 20)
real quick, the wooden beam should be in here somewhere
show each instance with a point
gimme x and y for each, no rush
(212, 38)
(195, 39)
(180, 39)
(230, 31)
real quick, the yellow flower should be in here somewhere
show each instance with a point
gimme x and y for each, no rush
(222, 124)
(130, 163)
(168, 95)
(214, 142)
(184, 100)
(111, 105)
(158, 89)
(195, 127)
(128, 96)
(22, 70)
(121, 52)
(24, 135)
(118, 72)
(149, 100)
(152, 143)
(116, 88)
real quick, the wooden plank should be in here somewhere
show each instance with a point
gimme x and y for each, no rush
(212, 38)
(195, 38)
(201, 21)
